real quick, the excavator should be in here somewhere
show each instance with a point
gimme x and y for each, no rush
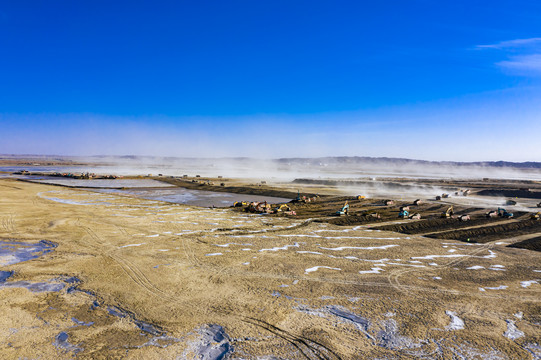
(404, 212)
(504, 213)
(281, 207)
(536, 216)
(344, 210)
(448, 213)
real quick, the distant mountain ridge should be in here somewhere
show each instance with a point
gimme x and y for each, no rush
(317, 161)
(333, 160)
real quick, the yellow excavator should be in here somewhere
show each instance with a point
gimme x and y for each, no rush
(281, 207)
(536, 216)
(448, 213)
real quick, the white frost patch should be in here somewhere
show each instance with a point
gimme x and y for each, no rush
(475, 267)
(539, 271)
(497, 266)
(227, 245)
(374, 270)
(155, 235)
(246, 263)
(431, 257)
(456, 322)
(285, 247)
(359, 248)
(436, 278)
(214, 254)
(501, 287)
(300, 235)
(452, 250)
(512, 332)
(411, 265)
(315, 268)
(526, 284)
(310, 252)
(433, 264)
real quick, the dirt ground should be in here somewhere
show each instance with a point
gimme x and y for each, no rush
(121, 277)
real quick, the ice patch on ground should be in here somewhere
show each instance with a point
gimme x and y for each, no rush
(374, 270)
(456, 322)
(360, 323)
(214, 254)
(389, 337)
(124, 246)
(501, 287)
(383, 247)
(315, 268)
(528, 283)
(285, 247)
(475, 267)
(212, 344)
(61, 341)
(512, 332)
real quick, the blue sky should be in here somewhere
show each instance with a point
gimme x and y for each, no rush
(436, 80)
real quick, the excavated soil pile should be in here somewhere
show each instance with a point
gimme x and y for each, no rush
(491, 233)
(511, 193)
(530, 244)
(434, 225)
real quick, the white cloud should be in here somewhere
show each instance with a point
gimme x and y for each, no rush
(522, 56)
(526, 63)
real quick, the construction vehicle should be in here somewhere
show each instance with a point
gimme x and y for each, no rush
(281, 207)
(466, 192)
(447, 213)
(504, 213)
(444, 195)
(388, 202)
(491, 214)
(240, 203)
(344, 210)
(535, 216)
(510, 202)
(464, 218)
(415, 216)
(539, 205)
(438, 197)
(360, 197)
(403, 214)
(417, 202)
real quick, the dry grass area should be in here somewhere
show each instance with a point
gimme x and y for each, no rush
(142, 279)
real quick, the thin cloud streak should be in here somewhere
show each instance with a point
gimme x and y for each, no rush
(512, 44)
(529, 63)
